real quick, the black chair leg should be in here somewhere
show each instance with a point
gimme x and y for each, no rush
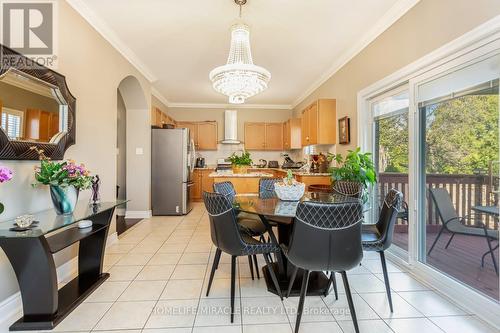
(256, 263)
(292, 280)
(233, 282)
(218, 253)
(331, 281)
(303, 291)
(349, 300)
(386, 279)
(273, 276)
(250, 263)
(435, 241)
(449, 240)
(492, 251)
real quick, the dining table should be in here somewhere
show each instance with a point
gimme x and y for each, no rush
(494, 211)
(281, 214)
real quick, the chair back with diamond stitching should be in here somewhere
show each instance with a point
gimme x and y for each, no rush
(348, 188)
(389, 215)
(266, 187)
(226, 189)
(327, 236)
(223, 226)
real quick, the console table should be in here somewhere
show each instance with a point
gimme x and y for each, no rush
(30, 254)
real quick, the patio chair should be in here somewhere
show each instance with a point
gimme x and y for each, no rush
(456, 224)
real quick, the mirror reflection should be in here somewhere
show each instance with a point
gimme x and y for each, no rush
(31, 110)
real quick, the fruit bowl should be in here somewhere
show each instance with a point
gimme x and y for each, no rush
(293, 192)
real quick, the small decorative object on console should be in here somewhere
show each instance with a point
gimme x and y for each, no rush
(96, 196)
(84, 224)
(5, 176)
(289, 189)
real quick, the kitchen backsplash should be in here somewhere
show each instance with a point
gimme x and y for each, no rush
(224, 151)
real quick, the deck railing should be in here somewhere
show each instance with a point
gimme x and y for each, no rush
(466, 191)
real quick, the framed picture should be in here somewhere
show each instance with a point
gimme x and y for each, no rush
(344, 130)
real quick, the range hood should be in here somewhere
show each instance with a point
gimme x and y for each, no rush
(231, 127)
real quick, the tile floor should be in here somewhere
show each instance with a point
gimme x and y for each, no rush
(159, 272)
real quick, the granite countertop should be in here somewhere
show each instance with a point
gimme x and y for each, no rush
(297, 172)
(240, 175)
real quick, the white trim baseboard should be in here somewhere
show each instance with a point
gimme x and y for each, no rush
(11, 307)
(138, 214)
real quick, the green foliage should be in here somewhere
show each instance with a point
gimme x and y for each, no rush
(244, 159)
(393, 144)
(62, 174)
(356, 166)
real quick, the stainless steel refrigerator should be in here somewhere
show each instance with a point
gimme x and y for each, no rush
(172, 164)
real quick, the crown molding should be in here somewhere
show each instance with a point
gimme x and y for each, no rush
(230, 106)
(160, 96)
(390, 17)
(108, 34)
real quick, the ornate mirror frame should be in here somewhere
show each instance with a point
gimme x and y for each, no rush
(21, 150)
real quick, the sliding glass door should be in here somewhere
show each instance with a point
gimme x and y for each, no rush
(391, 143)
(458, 144)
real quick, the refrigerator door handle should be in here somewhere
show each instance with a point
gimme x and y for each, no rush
(193, 155)
(189, 184)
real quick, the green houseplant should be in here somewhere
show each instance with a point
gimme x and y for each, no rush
(65, 180)
(356, 167)
(240, 163)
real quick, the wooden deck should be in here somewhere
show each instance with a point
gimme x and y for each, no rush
(462, 260)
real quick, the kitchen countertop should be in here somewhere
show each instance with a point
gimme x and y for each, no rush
(266, 171)
(240, 175)
(296, 172)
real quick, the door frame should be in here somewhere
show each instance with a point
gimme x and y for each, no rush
(478, 42)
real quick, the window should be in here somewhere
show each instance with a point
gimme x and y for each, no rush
(12, 123)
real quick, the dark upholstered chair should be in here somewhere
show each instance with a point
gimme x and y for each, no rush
(348, 188)
(335, 231)
(378, 237)
(266, 187)
(248, 223)
(455, 224)
(228, 238)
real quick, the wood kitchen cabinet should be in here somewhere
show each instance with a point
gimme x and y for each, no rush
(159, 118)
(202, 182)
(204, 134)
(292, 134)
(319, 123)
(263, 136)
(40, 125)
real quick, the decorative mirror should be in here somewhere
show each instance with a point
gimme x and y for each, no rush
(36, 109)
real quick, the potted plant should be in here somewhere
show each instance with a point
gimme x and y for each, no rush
(5, 175)
(240, 164)
(65, 180)
(289, 189)
(355, 167)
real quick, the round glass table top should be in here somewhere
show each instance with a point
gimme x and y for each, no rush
(275, 207)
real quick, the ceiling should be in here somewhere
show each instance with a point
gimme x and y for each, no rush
(301, 42)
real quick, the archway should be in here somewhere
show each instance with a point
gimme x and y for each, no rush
(133, 148)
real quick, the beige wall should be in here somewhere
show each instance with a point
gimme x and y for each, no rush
(93, 69)
(155, 102)
(426, 27)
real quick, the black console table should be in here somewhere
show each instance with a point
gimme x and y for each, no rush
(30, 254)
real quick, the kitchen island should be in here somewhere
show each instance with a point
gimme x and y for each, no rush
(242, 182)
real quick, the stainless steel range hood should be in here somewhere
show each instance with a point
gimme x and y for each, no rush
(230, 127)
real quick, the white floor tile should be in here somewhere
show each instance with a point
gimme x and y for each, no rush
(375, 266)
(330, 327)
(314, 310)
(175, 313)
(84, 317)
(340, 307)
(365, 326)
(379, 303)
(124, 273)
(218, 329)
(261, 310)
(364, 283)
(221, 288)
(403, 282)
(194, 258)
(164, 259)
(189, 272)
(109, 291)
(182, 289)
(412, 325)
(431, 304)
(143, 291)
(132, 259)
(217, 312)
(275, 328)
(126, 315)
(462, 324)
(152, 273)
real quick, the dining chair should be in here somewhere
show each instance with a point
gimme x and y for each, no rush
(455, 224)
(348, 188)
(378, 237)
(228, 238)
(248, 223)
(335, 231)
(266, 187)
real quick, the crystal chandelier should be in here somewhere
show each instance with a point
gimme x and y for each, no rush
(239, 79)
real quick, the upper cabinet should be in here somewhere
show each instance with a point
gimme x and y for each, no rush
(319, 123)
(160, 118)
(292, 134)
(263, 136)
(204, 133)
